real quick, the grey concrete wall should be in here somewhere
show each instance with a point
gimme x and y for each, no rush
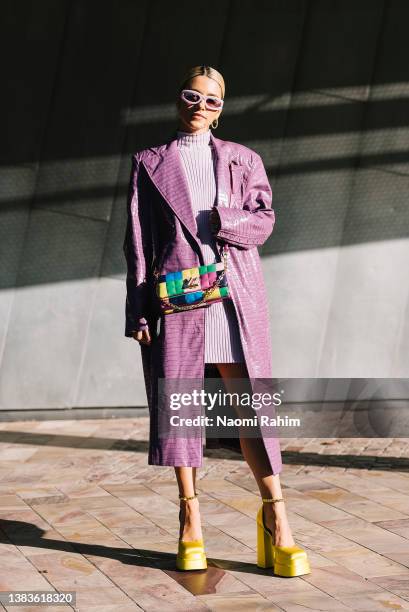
(319, 88)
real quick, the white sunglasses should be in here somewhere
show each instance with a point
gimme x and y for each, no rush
(193, 97)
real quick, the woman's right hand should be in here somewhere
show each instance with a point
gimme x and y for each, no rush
(143, 337)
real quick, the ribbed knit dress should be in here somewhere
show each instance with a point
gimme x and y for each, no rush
(222, 337)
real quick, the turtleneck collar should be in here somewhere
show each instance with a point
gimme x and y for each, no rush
(188, 139)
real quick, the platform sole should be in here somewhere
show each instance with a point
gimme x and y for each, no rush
(193, 564)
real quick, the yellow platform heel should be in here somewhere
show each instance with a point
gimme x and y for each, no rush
(191, 555)
(288, 561)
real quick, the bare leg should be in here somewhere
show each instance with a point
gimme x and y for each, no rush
(190, 527)
(275, 516)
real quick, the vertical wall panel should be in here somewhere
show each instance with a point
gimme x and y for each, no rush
(76, 183)
(316, 174)
(30, 44)
(371, 286)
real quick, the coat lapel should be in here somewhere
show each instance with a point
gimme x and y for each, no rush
(166, 171)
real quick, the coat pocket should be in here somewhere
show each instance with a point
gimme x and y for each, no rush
(236, 179)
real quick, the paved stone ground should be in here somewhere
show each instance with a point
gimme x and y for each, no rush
(81, 510)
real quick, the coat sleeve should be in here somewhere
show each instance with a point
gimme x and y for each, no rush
(137, 248)
(251, 225)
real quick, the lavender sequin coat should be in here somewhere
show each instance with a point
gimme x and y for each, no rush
(162, 230)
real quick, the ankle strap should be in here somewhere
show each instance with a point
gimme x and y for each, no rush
(272, 499)
(186, 498)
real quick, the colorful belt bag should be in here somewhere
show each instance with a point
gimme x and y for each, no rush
(193, 287)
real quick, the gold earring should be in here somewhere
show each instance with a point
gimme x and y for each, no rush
(214, 126)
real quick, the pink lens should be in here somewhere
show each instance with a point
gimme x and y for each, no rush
(190, 96)
(214, 102)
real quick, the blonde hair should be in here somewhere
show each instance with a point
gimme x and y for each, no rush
(208, 71)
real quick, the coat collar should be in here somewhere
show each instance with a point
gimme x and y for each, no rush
(164, 167)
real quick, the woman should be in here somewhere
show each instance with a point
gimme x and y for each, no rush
(186, 198)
